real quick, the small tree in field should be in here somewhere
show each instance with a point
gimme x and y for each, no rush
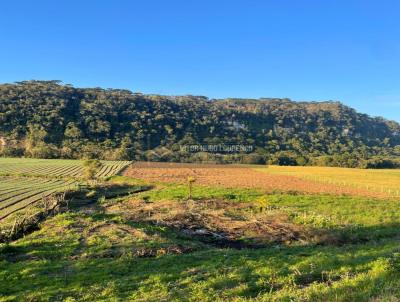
(90, 168)
(191, 180)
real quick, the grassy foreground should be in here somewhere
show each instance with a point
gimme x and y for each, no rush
(115, 251)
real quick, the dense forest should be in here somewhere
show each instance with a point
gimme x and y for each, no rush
(48, 119)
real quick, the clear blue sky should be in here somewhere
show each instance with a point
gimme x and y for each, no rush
(304, 50)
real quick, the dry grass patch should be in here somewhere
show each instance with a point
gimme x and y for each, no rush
(377, 182)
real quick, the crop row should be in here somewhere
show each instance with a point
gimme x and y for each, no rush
(59, 168)
(18, 193)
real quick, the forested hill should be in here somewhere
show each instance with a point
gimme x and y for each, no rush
(49, 119)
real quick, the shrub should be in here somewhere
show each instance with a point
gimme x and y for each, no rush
(45, 151)
(91, 167)
(253, 158)
(284, 158)
(381, 163)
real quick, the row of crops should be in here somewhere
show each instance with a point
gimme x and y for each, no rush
(24, 181)
(18, 193)
(55, 167)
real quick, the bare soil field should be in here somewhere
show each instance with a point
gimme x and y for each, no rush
(237, 176)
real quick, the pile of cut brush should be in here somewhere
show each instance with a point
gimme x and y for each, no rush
(218, 222)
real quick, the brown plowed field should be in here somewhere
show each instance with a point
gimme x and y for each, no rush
(236, 176)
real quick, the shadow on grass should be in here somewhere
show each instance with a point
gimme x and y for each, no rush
(89, 195)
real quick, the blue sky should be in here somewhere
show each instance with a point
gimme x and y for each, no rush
(305, 50)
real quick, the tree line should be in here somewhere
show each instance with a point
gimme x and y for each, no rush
(48, 119)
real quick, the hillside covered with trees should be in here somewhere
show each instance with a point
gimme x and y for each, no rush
(47, 119)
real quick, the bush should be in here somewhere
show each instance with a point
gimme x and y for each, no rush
(301, 161)
(45, 151)
(10, 151)
(253, 159)
(381, 163)
(284, 158)
(337, 160)
(90, 168)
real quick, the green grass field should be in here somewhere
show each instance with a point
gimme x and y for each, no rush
(149, 247)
